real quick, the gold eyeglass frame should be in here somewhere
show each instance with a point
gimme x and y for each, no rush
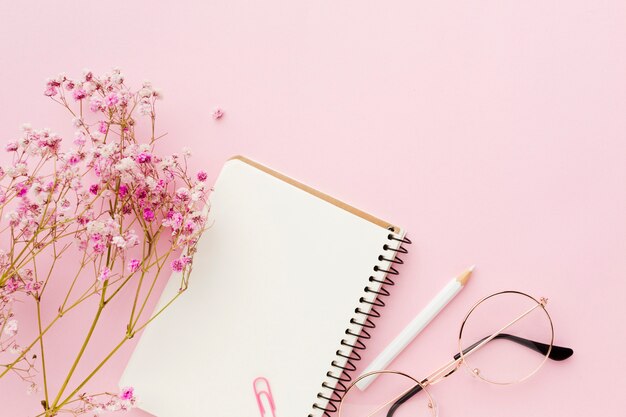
(450, 367)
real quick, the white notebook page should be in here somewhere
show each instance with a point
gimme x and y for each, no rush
(275, 282)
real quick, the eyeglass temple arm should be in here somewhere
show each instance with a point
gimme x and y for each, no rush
(557, 353)
(405, 398)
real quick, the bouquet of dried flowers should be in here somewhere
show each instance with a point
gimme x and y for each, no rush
(124, 215)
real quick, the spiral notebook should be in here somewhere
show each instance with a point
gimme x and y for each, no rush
(285, 286)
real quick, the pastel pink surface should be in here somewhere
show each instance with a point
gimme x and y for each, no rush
(492, 131)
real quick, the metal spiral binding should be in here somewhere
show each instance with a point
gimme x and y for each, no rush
(365, 322)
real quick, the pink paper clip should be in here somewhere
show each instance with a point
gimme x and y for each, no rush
(262, 388)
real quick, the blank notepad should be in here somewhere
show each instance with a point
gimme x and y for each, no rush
(280, 284)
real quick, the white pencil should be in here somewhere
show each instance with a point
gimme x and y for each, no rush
(409, 333)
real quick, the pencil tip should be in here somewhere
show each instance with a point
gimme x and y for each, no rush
(465, 276)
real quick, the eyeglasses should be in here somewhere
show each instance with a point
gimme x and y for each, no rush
(504, 339)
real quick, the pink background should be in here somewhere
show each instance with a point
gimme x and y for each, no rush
(494, 131)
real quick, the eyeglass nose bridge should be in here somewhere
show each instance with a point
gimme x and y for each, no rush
(443, 372)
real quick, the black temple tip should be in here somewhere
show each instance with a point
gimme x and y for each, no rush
(559, 353)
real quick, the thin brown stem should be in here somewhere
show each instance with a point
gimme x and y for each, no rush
(43, 355)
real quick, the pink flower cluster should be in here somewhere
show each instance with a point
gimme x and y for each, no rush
(104, 93)
(178, 265)
(129, 170)
(108, 196)
(16, 284)
(99, 404)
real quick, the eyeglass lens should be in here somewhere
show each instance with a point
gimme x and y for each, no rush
(524, 336)
(381, 395)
